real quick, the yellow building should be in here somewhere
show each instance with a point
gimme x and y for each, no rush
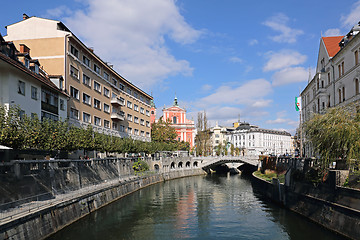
(99, 95)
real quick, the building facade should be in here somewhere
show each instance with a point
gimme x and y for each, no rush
(185, 128)
(98, 94)
(252, 140)
(336, 81)
(24, 84)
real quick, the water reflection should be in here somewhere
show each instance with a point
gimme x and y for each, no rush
(204, 207)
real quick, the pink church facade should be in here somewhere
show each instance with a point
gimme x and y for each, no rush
(185, 128)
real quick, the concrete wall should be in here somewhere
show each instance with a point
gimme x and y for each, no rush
(47, 221)
(337, 209)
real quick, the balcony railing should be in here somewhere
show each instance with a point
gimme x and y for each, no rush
(117, 101)
(118, 116)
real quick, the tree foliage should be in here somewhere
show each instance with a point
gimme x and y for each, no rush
(32, 133)
(335, 134)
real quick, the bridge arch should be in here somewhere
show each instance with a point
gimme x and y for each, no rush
(180, 165)
(172, 165)
(156, 167)
(195, 164)
(187, 165)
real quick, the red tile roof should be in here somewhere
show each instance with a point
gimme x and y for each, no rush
(332, 44)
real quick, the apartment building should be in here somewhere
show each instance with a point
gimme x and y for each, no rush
(98, 94)
(253, 140)
(24, 84)
(336, 81)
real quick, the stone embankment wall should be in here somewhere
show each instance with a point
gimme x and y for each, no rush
(337, 208)
(47, 220)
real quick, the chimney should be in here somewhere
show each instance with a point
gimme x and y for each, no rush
(25, 16)
(91, 49)
(24, 49)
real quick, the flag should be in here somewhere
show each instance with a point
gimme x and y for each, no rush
(298, 103)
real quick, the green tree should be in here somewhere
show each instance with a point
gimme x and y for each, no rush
(335, 134)
(162, 131)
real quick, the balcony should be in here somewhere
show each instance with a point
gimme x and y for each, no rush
(118, 101)
(118, 116)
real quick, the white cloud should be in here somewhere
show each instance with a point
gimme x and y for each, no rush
(253, 42)
(206, 87)
(353, 17)
(332, 32)
(261, 103)
(290, 75)
(57, 12)
(247, 93)
(131, 35)
(235, 60)
(283, 59)
(279, 23)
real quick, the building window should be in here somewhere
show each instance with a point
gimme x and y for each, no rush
(356, 57)
(141, 110)
(174, 120)
(106, 124)
(74, 72)
(106, 76)
(342, 68)
(97, 104)
(86, 117)
(106, 92)
(96, 69)
(114, 126)
(97, 87)
(74, 51)
(121, 86)
(27, 63)
(136, 94)
(136, 131)
(21, 87)
(86, 99)
(34, 94)
(147, 123)
(328, 78)
(74, 93)
(136, 107)
(106, 108)
(97, 121)
(129, 130)
(128, 91)
(340, 95)
(142, 122)
(62, 105)
(74, 113)
(86, 61)
(356, 86)
(343, 93)
(86, 80)
(129, 117)
(114, 82)
(147, 134)
(129, 104)
(147, 113)
(136, 120)
(143, 133)
(122, 128)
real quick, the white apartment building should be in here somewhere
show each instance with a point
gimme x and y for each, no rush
(252, 140)
(24, 84)
(336, 81)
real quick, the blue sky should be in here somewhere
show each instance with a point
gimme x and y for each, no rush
(226, 57)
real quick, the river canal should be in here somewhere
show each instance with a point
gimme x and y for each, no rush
(202, 207)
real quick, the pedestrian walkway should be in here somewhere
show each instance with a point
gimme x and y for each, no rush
(32, 207)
